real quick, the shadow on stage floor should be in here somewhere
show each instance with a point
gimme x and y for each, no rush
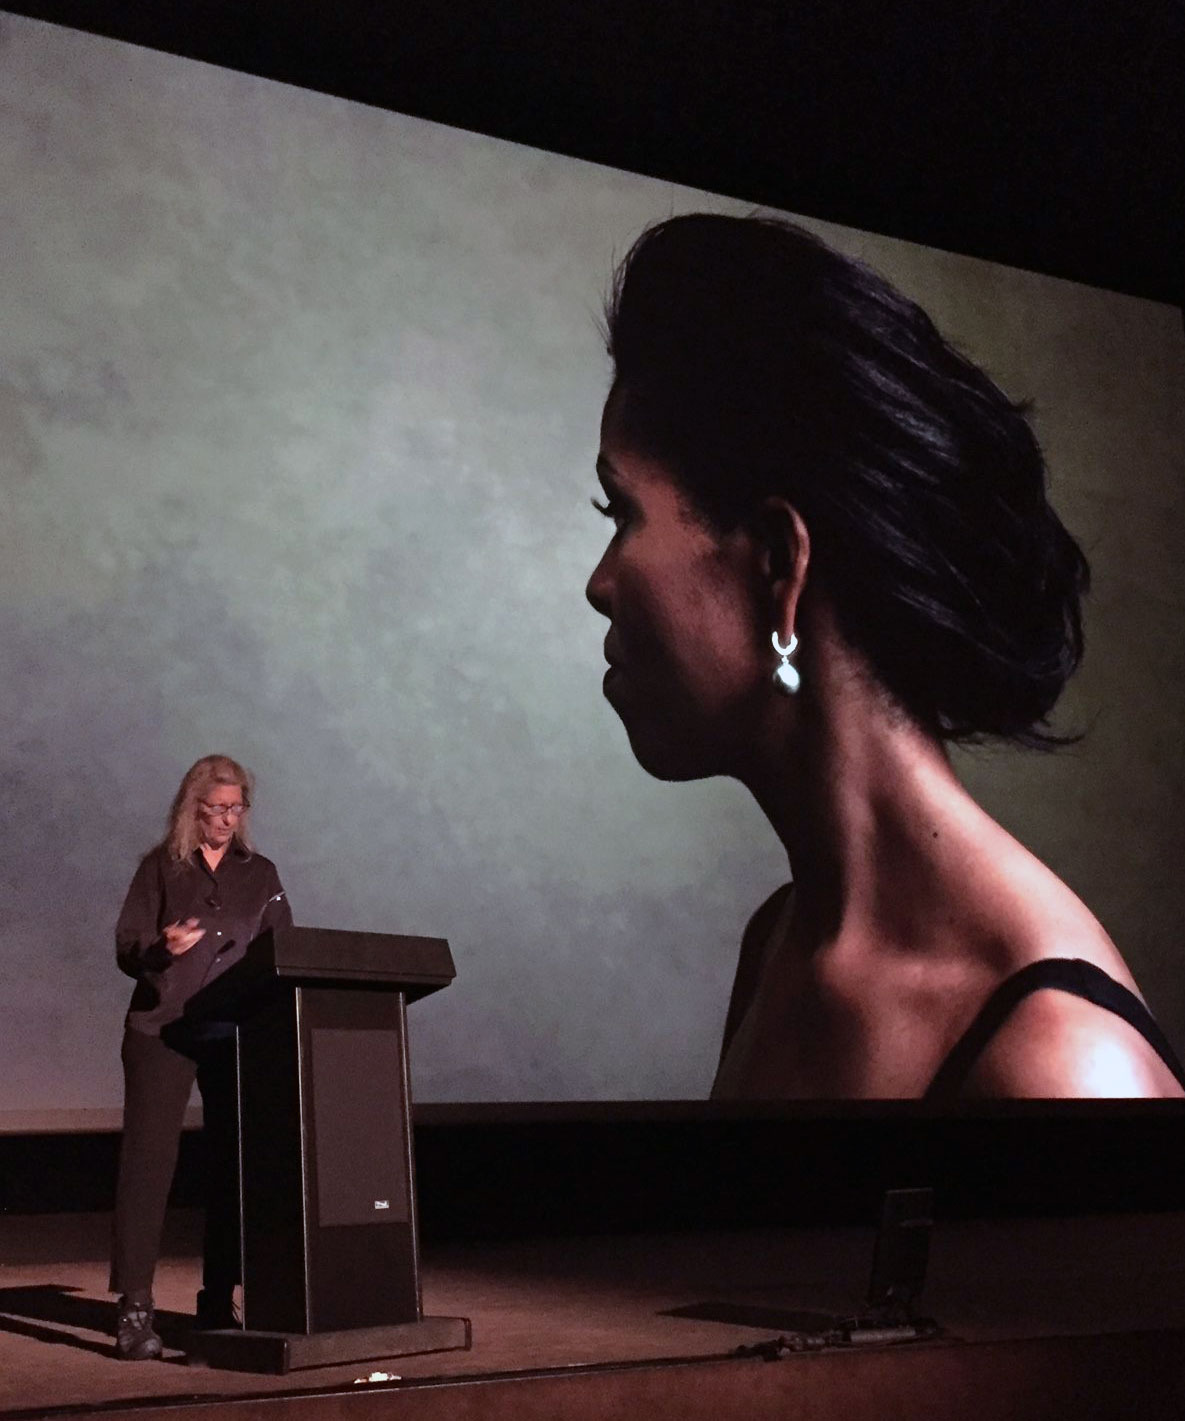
(24, 1310)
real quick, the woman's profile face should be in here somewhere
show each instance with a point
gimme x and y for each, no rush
(687, 647)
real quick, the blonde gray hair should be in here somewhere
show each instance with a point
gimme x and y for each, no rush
(184, 834)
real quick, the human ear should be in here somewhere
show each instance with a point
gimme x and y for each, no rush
(785, 554)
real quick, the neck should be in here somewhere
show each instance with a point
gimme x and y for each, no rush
(870, 812)
(213, 854)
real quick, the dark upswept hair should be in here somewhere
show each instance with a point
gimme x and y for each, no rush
(752, 359)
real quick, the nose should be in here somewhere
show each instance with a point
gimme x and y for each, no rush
(600, 586)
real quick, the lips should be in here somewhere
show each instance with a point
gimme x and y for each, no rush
(614, 671)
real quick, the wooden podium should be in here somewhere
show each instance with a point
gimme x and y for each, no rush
(327, 1202)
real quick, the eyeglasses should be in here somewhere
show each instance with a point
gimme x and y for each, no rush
(218, 811)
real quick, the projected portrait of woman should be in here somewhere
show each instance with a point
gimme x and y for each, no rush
(833, 554)
(194, 904)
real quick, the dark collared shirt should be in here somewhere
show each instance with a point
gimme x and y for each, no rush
(234, 903)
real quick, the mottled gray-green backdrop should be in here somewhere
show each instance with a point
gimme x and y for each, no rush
(298, 413)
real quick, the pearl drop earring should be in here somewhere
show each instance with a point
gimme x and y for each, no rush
(786, 677)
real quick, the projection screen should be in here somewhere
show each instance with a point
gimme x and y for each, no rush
(299, 404)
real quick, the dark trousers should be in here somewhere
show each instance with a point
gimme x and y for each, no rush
(158, 1077)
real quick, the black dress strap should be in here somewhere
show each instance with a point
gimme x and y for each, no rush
(1064, 974)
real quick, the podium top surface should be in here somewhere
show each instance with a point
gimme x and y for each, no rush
(323, 957)
(416, 965)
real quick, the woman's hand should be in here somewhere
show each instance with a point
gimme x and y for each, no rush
(180, 937)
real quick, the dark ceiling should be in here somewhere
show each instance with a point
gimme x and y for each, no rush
(1043, 133)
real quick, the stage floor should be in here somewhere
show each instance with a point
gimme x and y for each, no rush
(568, 1304)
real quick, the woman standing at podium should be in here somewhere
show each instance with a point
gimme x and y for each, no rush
(195, 902)
(832, 555)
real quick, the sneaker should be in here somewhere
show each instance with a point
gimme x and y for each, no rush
(135, 1338)
(216, 1311)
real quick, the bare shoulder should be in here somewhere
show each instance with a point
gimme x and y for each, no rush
(1054, 1045)
(762, 923)
(754, 947)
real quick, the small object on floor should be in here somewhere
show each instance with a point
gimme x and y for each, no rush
(377, 1377)
(135, 1338)
(869, 1332)
(216, 1311)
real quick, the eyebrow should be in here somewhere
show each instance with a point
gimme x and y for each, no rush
(605, 469)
